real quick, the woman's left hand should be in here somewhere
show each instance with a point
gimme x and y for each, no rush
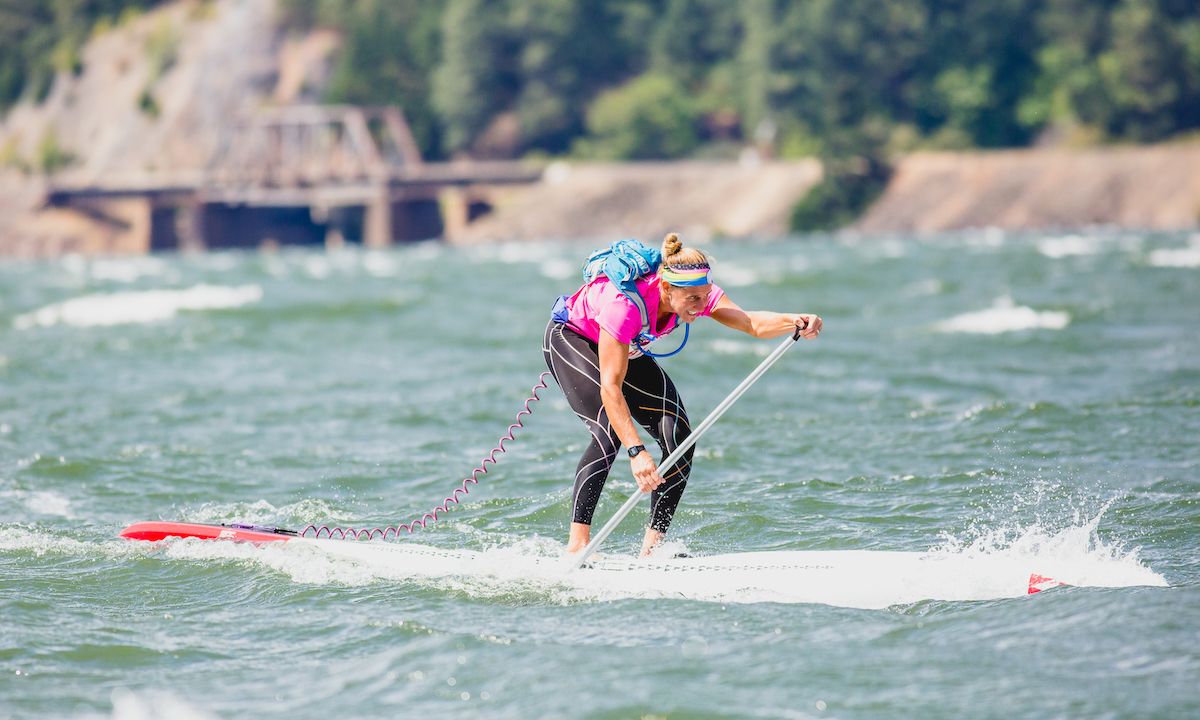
(810, 325)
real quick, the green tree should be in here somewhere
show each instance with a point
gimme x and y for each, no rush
(754, 64)
(651, 117)
(387, 58)
(476, 78)
(694, 36)
(976, 62)
(1144, 72)
(39, 39)
(568, 53)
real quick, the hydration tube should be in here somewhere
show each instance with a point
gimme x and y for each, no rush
(577, 560)
(687, 328)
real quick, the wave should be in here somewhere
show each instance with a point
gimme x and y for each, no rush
(998, 563)
(42, 502)
(992, 567)
(131, 705)
(1070, 246)
(1075, 554)
(559, 269)
(120, 270)
(1184, 257)
(740, 347)
(1004, 316)
(141, 307)
(264, 513)
(19, 538)
(734, 275)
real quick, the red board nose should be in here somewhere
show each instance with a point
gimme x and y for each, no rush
(154, 531)
(1038, 583)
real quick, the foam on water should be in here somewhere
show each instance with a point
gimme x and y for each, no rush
(727, 274)
(508, 253)
(42, 502)
(1070, 245)
(381, 265)
(739, 347)
(153, 705)
(1004, 316)
(16, 538)
(929, 286)
(140, 307)
(119, 270)
(559, 269)
(1184, 257)
(992, 563)
(309, 510)
(1075, 554)
(1000, 563)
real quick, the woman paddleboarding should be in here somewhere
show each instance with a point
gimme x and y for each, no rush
(595, 346)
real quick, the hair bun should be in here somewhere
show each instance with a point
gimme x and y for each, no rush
(671, 245)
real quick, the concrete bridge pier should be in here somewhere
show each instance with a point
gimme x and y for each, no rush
(377, 225)
(461, 205)
(124, 224)
(189, 223)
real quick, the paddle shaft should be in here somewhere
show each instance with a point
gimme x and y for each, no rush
(673, 458)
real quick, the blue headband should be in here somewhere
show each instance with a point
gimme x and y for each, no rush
(686, 275)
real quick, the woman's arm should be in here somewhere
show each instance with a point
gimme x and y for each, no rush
(614, 362)
(764, 323)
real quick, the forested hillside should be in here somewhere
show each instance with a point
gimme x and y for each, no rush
(852, 82)
(664, 78)
(41, 37)
(676, 78)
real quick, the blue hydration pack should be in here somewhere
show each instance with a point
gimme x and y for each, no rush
(623, 263)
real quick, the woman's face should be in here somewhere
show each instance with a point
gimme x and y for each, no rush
(687, 302)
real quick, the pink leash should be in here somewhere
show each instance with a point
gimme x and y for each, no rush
(326, 531)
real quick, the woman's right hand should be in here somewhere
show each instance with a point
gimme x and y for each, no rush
(645, 471)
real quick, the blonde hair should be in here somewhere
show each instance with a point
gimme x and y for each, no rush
(674, 253)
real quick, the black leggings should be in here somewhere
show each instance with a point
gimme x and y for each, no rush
(654, 403)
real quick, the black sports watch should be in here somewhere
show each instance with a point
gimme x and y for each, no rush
(635, 450)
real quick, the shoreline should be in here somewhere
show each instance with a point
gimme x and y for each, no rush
(1154, 187)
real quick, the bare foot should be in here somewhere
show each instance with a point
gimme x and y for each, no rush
(651, 540)
(580, 536)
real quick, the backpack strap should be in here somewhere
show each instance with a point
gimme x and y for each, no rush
(624, 263)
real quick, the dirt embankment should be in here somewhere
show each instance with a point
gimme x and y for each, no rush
(1151, 187)
(701, 199)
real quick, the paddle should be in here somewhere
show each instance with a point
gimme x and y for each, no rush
(673, 458)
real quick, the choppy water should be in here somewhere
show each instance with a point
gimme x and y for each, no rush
(976, 393)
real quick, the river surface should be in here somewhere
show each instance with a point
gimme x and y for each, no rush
(973, 394)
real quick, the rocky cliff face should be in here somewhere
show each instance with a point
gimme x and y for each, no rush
(156, 94)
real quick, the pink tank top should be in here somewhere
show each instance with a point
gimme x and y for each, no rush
(599, 304)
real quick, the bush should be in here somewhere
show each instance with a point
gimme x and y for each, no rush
(10, 156)
(846, 191)
(51, 155)
(648, 118)
(148, 104)
(162, 49)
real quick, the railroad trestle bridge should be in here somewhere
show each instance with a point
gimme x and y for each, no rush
(297, 175)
